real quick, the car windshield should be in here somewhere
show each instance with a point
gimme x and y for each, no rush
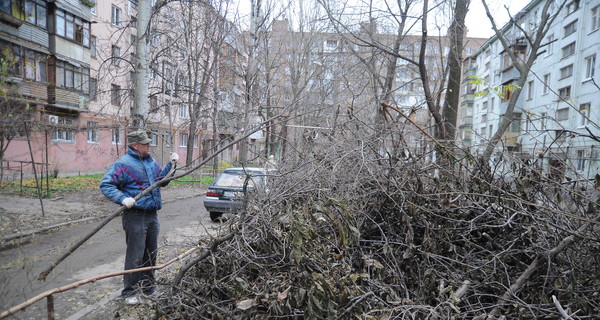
(234, 179)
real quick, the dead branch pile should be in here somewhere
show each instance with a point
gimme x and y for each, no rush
(355, 234)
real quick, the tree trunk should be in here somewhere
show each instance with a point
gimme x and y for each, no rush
(139, 112)
(456, 34)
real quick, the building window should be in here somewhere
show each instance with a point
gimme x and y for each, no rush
(543, 121)
(566, 72)
(154, 138)
(92, 132)
(116, 135)
(595, 23)
(580, 162)
(571, 7)
(73, 28)
(483, 118)
(515, 125)
(116, 55)
(545, 90)
(169, 139)
(484, 105)
(62, 132)
(133, 22)
(183, 111)
(115, 94)
(25, 63)
(484, 131)
(196, 141)
(72, 77)
(330, 45)
(590, 66)
(550, 45)
(562, 114)
(183, 139)
(115, 17)
(564, 93)
(530, 90)
(35, 11)
(93, 89)
(584, 112)
(93, 52)
(570, 28)
(568, 50)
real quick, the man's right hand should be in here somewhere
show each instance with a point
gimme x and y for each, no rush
(128, 202)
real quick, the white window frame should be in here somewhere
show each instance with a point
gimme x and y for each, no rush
(546, 88)
(530, 89)
(584, 114)
(92, 132)
(62, 134)
(183, 138)
(183, 111)
(595, 18)
(116, 136)
(566, 71)
(154, 138)
(590, 67)
(580, 160)
(115, 16)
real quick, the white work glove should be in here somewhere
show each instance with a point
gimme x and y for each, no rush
(128, 202)
(174, 157)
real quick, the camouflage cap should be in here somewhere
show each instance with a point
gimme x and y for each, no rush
(138, 136)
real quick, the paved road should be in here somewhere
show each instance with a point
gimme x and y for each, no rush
(182, 222)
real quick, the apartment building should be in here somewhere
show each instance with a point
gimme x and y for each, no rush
(71, 80)
(556, 119)
(321, 80)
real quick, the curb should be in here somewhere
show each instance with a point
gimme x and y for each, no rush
(90, 308)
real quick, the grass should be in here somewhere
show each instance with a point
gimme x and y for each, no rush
(60, 186)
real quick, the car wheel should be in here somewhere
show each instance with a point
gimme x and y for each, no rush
(215, 216)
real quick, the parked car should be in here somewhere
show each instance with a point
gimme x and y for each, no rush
(226, 193)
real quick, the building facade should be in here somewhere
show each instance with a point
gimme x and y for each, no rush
(556, 120)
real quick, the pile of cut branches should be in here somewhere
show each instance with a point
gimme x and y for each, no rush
(357, 234)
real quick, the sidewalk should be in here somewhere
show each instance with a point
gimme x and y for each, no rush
(22, 217)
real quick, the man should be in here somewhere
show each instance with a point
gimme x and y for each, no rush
(126, 178)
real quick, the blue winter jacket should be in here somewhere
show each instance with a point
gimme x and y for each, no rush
(130, 175)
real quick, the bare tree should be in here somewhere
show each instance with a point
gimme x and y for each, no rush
(512, 43)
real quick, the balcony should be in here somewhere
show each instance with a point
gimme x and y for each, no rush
(510, 139)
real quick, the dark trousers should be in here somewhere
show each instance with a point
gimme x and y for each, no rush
(141, 235)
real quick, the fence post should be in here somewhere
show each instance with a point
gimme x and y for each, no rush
(50, 306)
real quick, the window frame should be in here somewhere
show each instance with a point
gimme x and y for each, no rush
(562, 114)
(183, 138)
(566, 71)
(567, 90)
(570, 28)
(116, 136)
(595, 18)
(571, 47)
(590, 66)
(546, 88)
(584, 114)
(92, 132)
(115, 94)
(62, 134)
(115, 16)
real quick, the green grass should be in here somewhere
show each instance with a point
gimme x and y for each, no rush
(59, 186)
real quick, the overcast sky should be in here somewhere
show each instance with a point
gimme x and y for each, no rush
(478, 23)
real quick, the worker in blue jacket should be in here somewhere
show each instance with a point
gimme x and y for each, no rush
(125, 179)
